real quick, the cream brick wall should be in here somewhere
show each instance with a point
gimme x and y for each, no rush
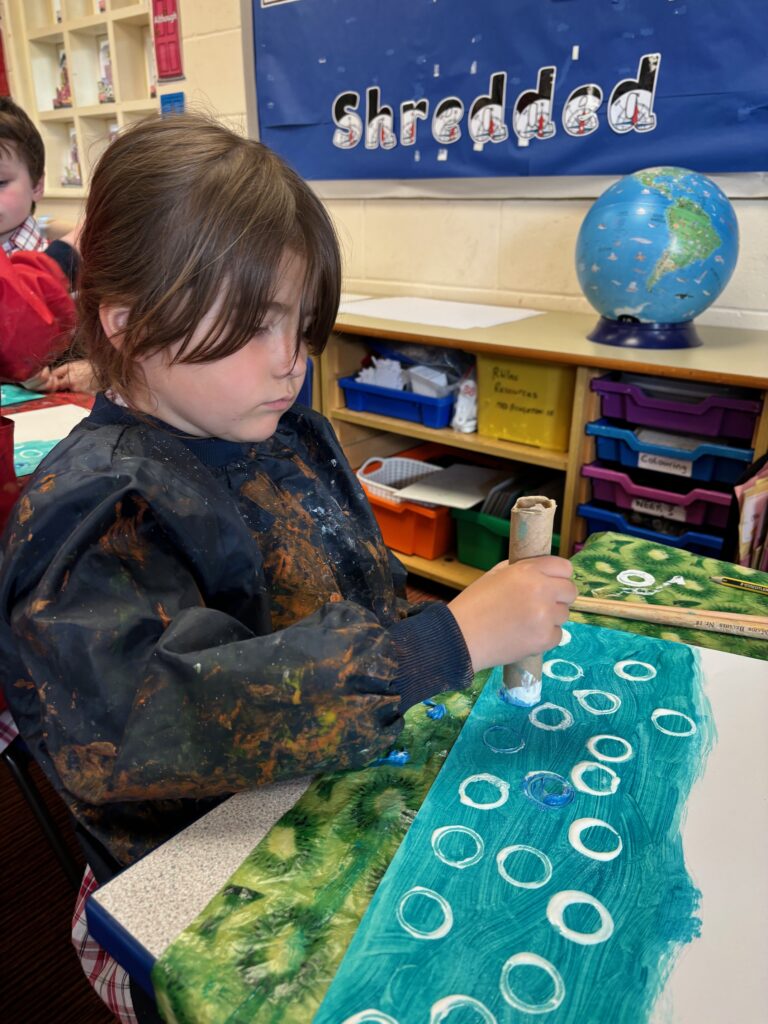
(516, 251)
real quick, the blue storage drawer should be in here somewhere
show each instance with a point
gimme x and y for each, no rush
(599, 519)
(678, 454)
(402, 405)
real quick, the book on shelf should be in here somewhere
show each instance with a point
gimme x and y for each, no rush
(106, 89)
(63, 97)
(150, 65)
(56, 10)
(71, 174)
(99, 6)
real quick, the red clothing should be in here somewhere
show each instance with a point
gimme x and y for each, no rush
(37, 316)
(37, 313)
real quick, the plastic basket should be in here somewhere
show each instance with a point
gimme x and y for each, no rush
(392, 474)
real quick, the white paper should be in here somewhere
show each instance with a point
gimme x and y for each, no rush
(458, 486)
(437, 312)
(351, 297)
(46, 424)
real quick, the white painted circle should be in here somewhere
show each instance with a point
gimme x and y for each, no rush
(440, 833)
(593, 741)
(503, 730)
(581, 825)
(566, 718)
(436, 933)
(443, 1008)
(565, 638)
(635, 578)
(493, 780)
(370, 1017)
(502, 856)
(570, 897)
(620, 668)
(578, 771)
(531, 960)
(582, 696)
(664, 713)
(562, 677)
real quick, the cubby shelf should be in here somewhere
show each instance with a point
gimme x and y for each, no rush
(89, 71)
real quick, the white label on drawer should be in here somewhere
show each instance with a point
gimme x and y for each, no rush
(665, 464)
(659, 508)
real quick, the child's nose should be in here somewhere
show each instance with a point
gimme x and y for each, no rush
(290, 362)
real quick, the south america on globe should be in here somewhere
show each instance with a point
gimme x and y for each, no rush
(654, 251)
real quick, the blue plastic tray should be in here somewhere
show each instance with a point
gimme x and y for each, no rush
(604, 519)
(707, 461)
(402, 405)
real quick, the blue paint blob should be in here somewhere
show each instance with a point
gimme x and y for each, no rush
(395, 757)
(548, 789)
(436, 711)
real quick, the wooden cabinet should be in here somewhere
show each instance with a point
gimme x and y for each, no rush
(727, 356)
(88, 67)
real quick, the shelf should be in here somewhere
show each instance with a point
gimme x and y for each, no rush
(86, 51)
(470, 442)
(66, 192)
(447, 570)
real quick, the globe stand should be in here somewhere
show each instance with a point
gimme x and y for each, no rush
(631, 333)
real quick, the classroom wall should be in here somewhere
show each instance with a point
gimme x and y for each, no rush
(515, 251)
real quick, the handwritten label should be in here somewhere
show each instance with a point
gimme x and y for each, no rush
(659, 508)
(665, 464)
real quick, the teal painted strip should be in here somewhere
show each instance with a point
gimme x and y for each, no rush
(496, 914)
(11, 394)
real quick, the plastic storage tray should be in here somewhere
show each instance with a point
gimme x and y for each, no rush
(413, 529)
(678, 455)
(599, 519)
(483, 540)
(694, 505)
(401, 405)
(524, 401)
(393, 473)
(684, 406)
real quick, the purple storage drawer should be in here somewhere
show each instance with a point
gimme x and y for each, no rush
(698, 506)
(685, 406)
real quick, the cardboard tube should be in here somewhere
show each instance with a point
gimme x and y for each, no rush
(530, 535)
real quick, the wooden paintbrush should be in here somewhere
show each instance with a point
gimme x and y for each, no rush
(753, 627)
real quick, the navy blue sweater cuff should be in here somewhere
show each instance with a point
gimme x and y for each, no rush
(433, 655)
(67, 258)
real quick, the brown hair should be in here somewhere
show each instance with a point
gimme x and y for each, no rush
(20, 138)
(182, 212)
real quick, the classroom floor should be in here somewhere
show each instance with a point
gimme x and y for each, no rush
(41, 978)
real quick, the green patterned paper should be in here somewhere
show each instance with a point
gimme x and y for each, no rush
(266, 948)
(619, 567)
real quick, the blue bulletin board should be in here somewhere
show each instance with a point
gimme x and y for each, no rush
(425, 89)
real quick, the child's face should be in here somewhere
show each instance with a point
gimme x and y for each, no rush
(242, 396)
(17, 193)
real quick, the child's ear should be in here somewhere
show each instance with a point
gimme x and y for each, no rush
(114, 320)
(37, 191)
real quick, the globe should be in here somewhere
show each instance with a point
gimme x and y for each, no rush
(654, 251)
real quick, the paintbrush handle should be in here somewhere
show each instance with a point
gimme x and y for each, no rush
(753, 627)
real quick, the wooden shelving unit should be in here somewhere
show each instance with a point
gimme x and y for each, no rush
(62, 54)
(727, 356)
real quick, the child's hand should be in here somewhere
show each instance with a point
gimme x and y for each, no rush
(42, 381)
(74, 376)
(515, 610)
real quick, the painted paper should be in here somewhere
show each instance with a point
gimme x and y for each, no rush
(550, 847)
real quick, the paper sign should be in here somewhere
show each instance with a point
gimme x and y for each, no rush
(665, 464)
(659, 508)
(438, 313)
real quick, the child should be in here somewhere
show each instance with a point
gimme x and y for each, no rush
(22, 177)
(195, 597)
